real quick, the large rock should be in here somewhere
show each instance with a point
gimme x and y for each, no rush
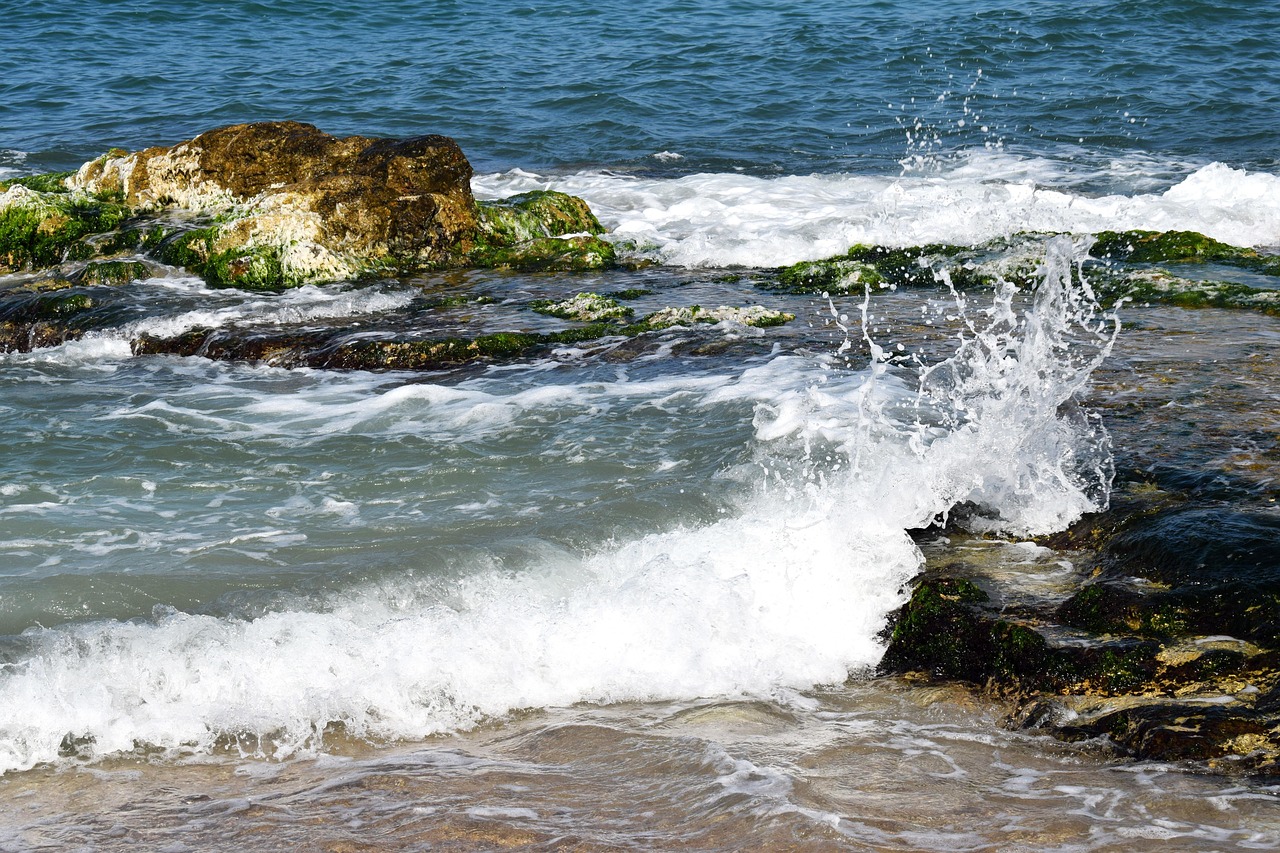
(299, 205)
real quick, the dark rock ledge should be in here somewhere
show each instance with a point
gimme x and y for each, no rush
(1166, 646)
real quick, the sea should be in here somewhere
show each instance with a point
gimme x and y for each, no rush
(623, 595)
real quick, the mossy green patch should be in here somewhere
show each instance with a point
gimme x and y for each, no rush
(583, 307)
(1148, 247)
(50, 228)
(875, 267)
(51, 182)
(113, 272)
(1161, 287)
(833, 275)
(547, 254)
(542, 213)
(253, 268)
(1160, 246)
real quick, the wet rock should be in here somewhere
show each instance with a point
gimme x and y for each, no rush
(1180, 571)
(577, 253)
(298, 205)
(584, 307)
(914, 266)
(1143, 286)
(1168, 649)
(752, 315)
(1178, 246)
(112, 273)
(42, 229)
(25, 336)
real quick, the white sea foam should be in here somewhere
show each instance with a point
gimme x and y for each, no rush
(788, 591)
(734, 219)
(293, 306)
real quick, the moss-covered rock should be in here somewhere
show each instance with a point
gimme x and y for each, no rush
(546, 254)
(1170, 648)
(584, 308)
(1164, 246)
(752, 315)
(43, 229)
(540, 231)
(1160, 286)
(834, 275)
(50, 182)
(876, 267)
(112, 273)
(528, 216)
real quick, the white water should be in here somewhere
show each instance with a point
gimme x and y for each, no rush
(787, 591)
(738, 220)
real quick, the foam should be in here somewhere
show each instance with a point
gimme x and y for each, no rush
(788, 590)
(739, 220)
(297, 305)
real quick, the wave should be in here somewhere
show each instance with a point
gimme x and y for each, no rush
(788, 590)
(718, 220)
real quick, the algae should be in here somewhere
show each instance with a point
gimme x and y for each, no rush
(583, 307)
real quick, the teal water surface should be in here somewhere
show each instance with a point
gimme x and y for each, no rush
(768, 87)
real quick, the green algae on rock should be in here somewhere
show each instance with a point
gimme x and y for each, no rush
(1178, 246)
(584, 307)
(285, 204)
(752, 315)
(883, 267)
(43, 229)
(1170, 648)
(575, 253)
(1157, 285)
(318, 207)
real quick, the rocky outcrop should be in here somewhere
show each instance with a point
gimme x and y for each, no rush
(279, 204)
(298, 205)
(1172, 267)
(1168, 650)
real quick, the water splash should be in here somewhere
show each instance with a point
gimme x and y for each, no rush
(789, 590)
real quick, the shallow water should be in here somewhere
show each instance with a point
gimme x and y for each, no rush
(882, 765)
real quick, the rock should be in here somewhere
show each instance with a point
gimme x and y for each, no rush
(584, 307)
(42, 229)
(112, 273)
(531, 215)
(753, 315)
(298, 205)
(292, 205)
(1180, 246)
(577, 253)
(1181, 571)
(1169, 649)
(837, 275)
(1157, 285)
(914, 266)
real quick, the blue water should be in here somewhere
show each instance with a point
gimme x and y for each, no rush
(822, 86)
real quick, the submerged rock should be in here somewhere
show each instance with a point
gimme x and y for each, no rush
(752, 315)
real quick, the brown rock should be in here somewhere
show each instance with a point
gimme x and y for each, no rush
(324, 207)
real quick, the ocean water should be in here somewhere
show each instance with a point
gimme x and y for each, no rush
(620, 596)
